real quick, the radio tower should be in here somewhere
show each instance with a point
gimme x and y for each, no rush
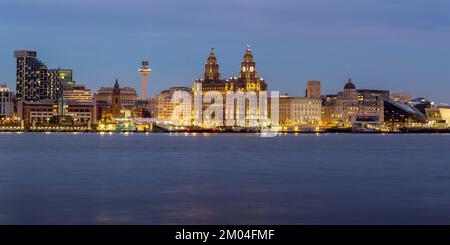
(144, 71)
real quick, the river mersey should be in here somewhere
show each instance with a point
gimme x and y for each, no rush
(93, 178)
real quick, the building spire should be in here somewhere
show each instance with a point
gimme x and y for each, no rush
(248, 56)
(248, 66)
(211, 67)
(212, 57)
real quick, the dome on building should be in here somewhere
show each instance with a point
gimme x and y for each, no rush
(350, 85)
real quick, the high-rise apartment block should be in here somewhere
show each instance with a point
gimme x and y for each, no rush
(35, 82)
(32, 83)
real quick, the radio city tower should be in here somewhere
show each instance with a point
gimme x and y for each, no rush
(144, 71)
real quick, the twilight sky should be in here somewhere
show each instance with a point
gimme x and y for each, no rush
(382, 44)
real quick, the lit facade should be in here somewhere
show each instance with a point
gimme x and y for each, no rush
(35, 82)
(353, 106)
(32, 82)
(247, 80)
(300, 111)
(117, 102)
(164, 102)
(78, 93)
(128, 96)
(211, 80)
(398, 114)
(6, 102)
(401, 97)
(438, 115)
(59, 80)
(50, 112)
(329, 116)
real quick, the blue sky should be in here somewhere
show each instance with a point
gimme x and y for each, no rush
(381, 44)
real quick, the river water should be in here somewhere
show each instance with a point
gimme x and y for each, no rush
(93, 178)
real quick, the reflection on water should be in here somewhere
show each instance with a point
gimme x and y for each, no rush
(222, 179)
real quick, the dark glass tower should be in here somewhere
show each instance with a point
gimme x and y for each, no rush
(32, 82)
(60, 79)
(35, 82)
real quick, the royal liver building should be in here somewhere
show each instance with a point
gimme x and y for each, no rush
(247, 82)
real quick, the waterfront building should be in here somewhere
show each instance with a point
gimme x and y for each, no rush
(300, 111)
(32, 83)
(152, 107)
(165, 105)
(403, 97)
(211, 80)
(247, 80)
(101, 109)
(128, 96)
(59, 80)
(329, 116)
(35, 82)
(347, 105)
(438, 116)
(56, 113)
(78, 93)
(64, 76)
(421, 104)
(6, 102)
(141, 109)
(119, 102)
(371, 108)
(313, 89)
(371, 96)
(398, 114)
(352, 106)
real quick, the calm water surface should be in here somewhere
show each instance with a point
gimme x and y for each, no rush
(221, 179)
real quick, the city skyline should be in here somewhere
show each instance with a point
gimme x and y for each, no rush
(369, 42)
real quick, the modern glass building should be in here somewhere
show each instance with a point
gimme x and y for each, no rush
(32, 82)
(35, 82)
(402, 114)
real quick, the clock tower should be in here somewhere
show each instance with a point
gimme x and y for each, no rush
(248, 79)
(248, 66)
